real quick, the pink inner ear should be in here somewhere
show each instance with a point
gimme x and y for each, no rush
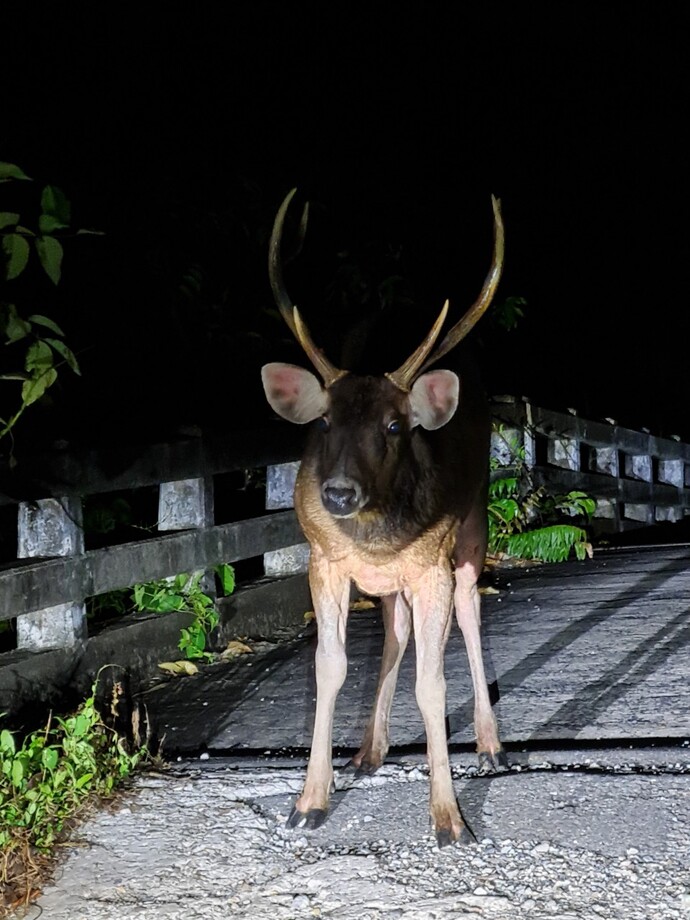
(285, 382)
(440, 392)
(294, 393)
(434, 399)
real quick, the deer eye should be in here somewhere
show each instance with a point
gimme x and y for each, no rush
(323, 423)
(394, 427)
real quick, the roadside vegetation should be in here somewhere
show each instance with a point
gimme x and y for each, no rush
(48, 780)
(52, 777)
(529, 522)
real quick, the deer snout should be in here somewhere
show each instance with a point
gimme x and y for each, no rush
(342, 496)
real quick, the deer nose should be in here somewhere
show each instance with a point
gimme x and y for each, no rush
(341, 496)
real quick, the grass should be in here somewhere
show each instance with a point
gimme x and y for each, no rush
(49, 779)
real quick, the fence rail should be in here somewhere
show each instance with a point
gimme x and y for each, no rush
(636, 478)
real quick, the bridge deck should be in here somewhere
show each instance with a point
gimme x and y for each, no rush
(577, 651)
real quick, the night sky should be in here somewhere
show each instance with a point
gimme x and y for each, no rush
(178, 133)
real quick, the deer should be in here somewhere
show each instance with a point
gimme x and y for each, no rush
(391, 495)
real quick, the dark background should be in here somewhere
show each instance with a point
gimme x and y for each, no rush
(178, 132)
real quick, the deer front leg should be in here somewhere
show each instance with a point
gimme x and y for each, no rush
(431, 611)
(330, 595)
(397, 623)
(468, 614)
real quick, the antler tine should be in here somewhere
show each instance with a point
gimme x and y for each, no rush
(275, 262)
(328, 371)
(480, 306)
(408, 370)
(288, 311)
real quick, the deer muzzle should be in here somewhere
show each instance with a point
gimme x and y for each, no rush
(342, 496)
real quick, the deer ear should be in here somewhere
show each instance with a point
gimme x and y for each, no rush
(294, 393)
(433, 399)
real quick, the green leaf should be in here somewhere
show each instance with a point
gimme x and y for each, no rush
(81, 723)
(35, 388)
(170, 602)
(226, 573)
(505, 509)
(39, 357)
(7, 745)
(179, 582)
(16, 251)
(41, 320)
(16, 328)
(158, 598)
(500, 488)
(83, 780)
(199, 639)
(10, 171)
(17, 772)
(48, 224)
(66, 353)
(49, 758)
(8, 219)
(550, 544)
(50, 253)
(56, 207)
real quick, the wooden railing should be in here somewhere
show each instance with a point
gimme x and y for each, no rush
(635, 477)
(47, 595)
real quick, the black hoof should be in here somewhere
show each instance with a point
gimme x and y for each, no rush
(501, 760)
(364, 769)
(309, 820)
(444, 837)
(490, 763)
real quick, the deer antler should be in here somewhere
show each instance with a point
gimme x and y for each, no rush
(408, 370)
(288, 311)
(416, 363)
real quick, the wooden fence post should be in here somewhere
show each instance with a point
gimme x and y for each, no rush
(639, 466)
(606, 460)
(671, 472)
(185, 505)
(51, 527)
(564, 452)
(507, 439)
(280, 488)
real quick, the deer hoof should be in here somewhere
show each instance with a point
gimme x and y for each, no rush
(365, 768)
(491, 763)
(309, 820)
(445, 837)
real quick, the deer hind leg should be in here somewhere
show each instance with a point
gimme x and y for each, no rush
(331, 595)
(432, 605)
(397, 622)
(468, 614)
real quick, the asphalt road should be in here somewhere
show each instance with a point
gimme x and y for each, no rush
(589, 666)
(603, 833)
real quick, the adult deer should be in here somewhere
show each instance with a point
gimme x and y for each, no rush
(391, 494)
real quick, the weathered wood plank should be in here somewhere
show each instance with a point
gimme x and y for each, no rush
(597, 434)
(130, 467)
(586, 651)
(36, 585)
(603, 486)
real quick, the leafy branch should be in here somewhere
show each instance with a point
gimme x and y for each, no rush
(43, 341)
(183, 593)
